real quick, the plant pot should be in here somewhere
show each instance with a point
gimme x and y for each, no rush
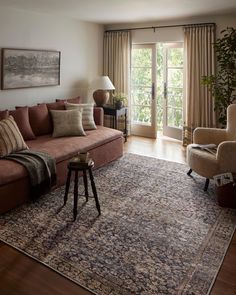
(118, 105)
(226, 195)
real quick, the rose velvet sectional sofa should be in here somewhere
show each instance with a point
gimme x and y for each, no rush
(35, 124)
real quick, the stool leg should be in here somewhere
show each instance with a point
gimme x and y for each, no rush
(206, 184)
(67, 187)
(75, 195)
(94, 191)
(189, 172)
(85, 184)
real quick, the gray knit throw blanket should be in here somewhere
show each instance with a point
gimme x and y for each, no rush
(41, 168)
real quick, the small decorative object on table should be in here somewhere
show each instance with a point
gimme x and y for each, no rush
(119, 100)
(84, 157)
(225, 190)
(81, 163)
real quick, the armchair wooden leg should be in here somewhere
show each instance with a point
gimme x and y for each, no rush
(189, 172)
(206, 184)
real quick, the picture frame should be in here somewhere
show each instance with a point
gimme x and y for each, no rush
(26, 68)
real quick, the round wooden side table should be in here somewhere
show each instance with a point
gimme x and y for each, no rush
(76, 166)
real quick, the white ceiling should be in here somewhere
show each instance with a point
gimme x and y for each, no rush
(125, 11)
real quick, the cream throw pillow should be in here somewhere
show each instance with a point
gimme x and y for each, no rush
(67, 123)
(87, 114)
(11, 139)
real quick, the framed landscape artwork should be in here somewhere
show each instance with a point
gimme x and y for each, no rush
(23, 68)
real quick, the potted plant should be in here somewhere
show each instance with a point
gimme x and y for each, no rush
(119, 100)
(223, 83)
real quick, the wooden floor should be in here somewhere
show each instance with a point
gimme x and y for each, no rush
(21, 275)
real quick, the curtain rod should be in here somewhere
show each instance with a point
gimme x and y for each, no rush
(159, 27)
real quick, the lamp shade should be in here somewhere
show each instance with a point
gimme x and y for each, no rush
(102, 83)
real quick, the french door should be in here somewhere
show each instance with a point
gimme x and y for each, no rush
(143, 96)
(173, 90)
(157, 89)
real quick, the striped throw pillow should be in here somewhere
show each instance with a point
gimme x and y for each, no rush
(11, 139)
(87, 114)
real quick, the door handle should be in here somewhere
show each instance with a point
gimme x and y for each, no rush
(153, 90)
(165, 90)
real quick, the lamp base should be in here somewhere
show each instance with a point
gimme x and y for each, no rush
(101, 97)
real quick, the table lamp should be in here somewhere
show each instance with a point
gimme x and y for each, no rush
(101, 85)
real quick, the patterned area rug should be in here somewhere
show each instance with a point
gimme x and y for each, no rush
(158, 233)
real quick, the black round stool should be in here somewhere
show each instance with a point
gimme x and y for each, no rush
(76, 166)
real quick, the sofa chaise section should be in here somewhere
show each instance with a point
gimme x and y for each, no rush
(103, 144)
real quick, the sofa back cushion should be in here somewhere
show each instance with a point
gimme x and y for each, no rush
(21, 117)
(87, 114)
(67, 123)
(4, 114)
(39, 118)
(59, 105)
(11, 139)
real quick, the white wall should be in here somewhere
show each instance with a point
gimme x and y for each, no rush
(80, 44)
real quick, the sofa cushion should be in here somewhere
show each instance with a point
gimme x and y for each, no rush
(197, 160)
(71, 100)
(87, 114)
(11, 171)
(11, 139)
(63, 148)
(56, 105)
(21, 117)
(4, 114)
(39, 118)
(67, 123)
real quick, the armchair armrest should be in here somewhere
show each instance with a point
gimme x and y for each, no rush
(98, 114)
(209, 135)
(226, 156)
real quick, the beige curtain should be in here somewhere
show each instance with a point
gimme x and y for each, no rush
(116, 61)
(116, 58)
(199, 61)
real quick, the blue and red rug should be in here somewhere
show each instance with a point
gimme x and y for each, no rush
(159, 232)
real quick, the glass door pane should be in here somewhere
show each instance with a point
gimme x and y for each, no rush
(142, 91)
(160, 85)
(173, 90)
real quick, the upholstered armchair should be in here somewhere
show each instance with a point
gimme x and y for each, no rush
(207, 164)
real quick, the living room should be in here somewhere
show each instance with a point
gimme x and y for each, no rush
(76, 30)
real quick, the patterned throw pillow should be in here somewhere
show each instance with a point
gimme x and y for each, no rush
(67, 123)
(87, 115)
(11, 139)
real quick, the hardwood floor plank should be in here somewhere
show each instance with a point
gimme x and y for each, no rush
(21, 275)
